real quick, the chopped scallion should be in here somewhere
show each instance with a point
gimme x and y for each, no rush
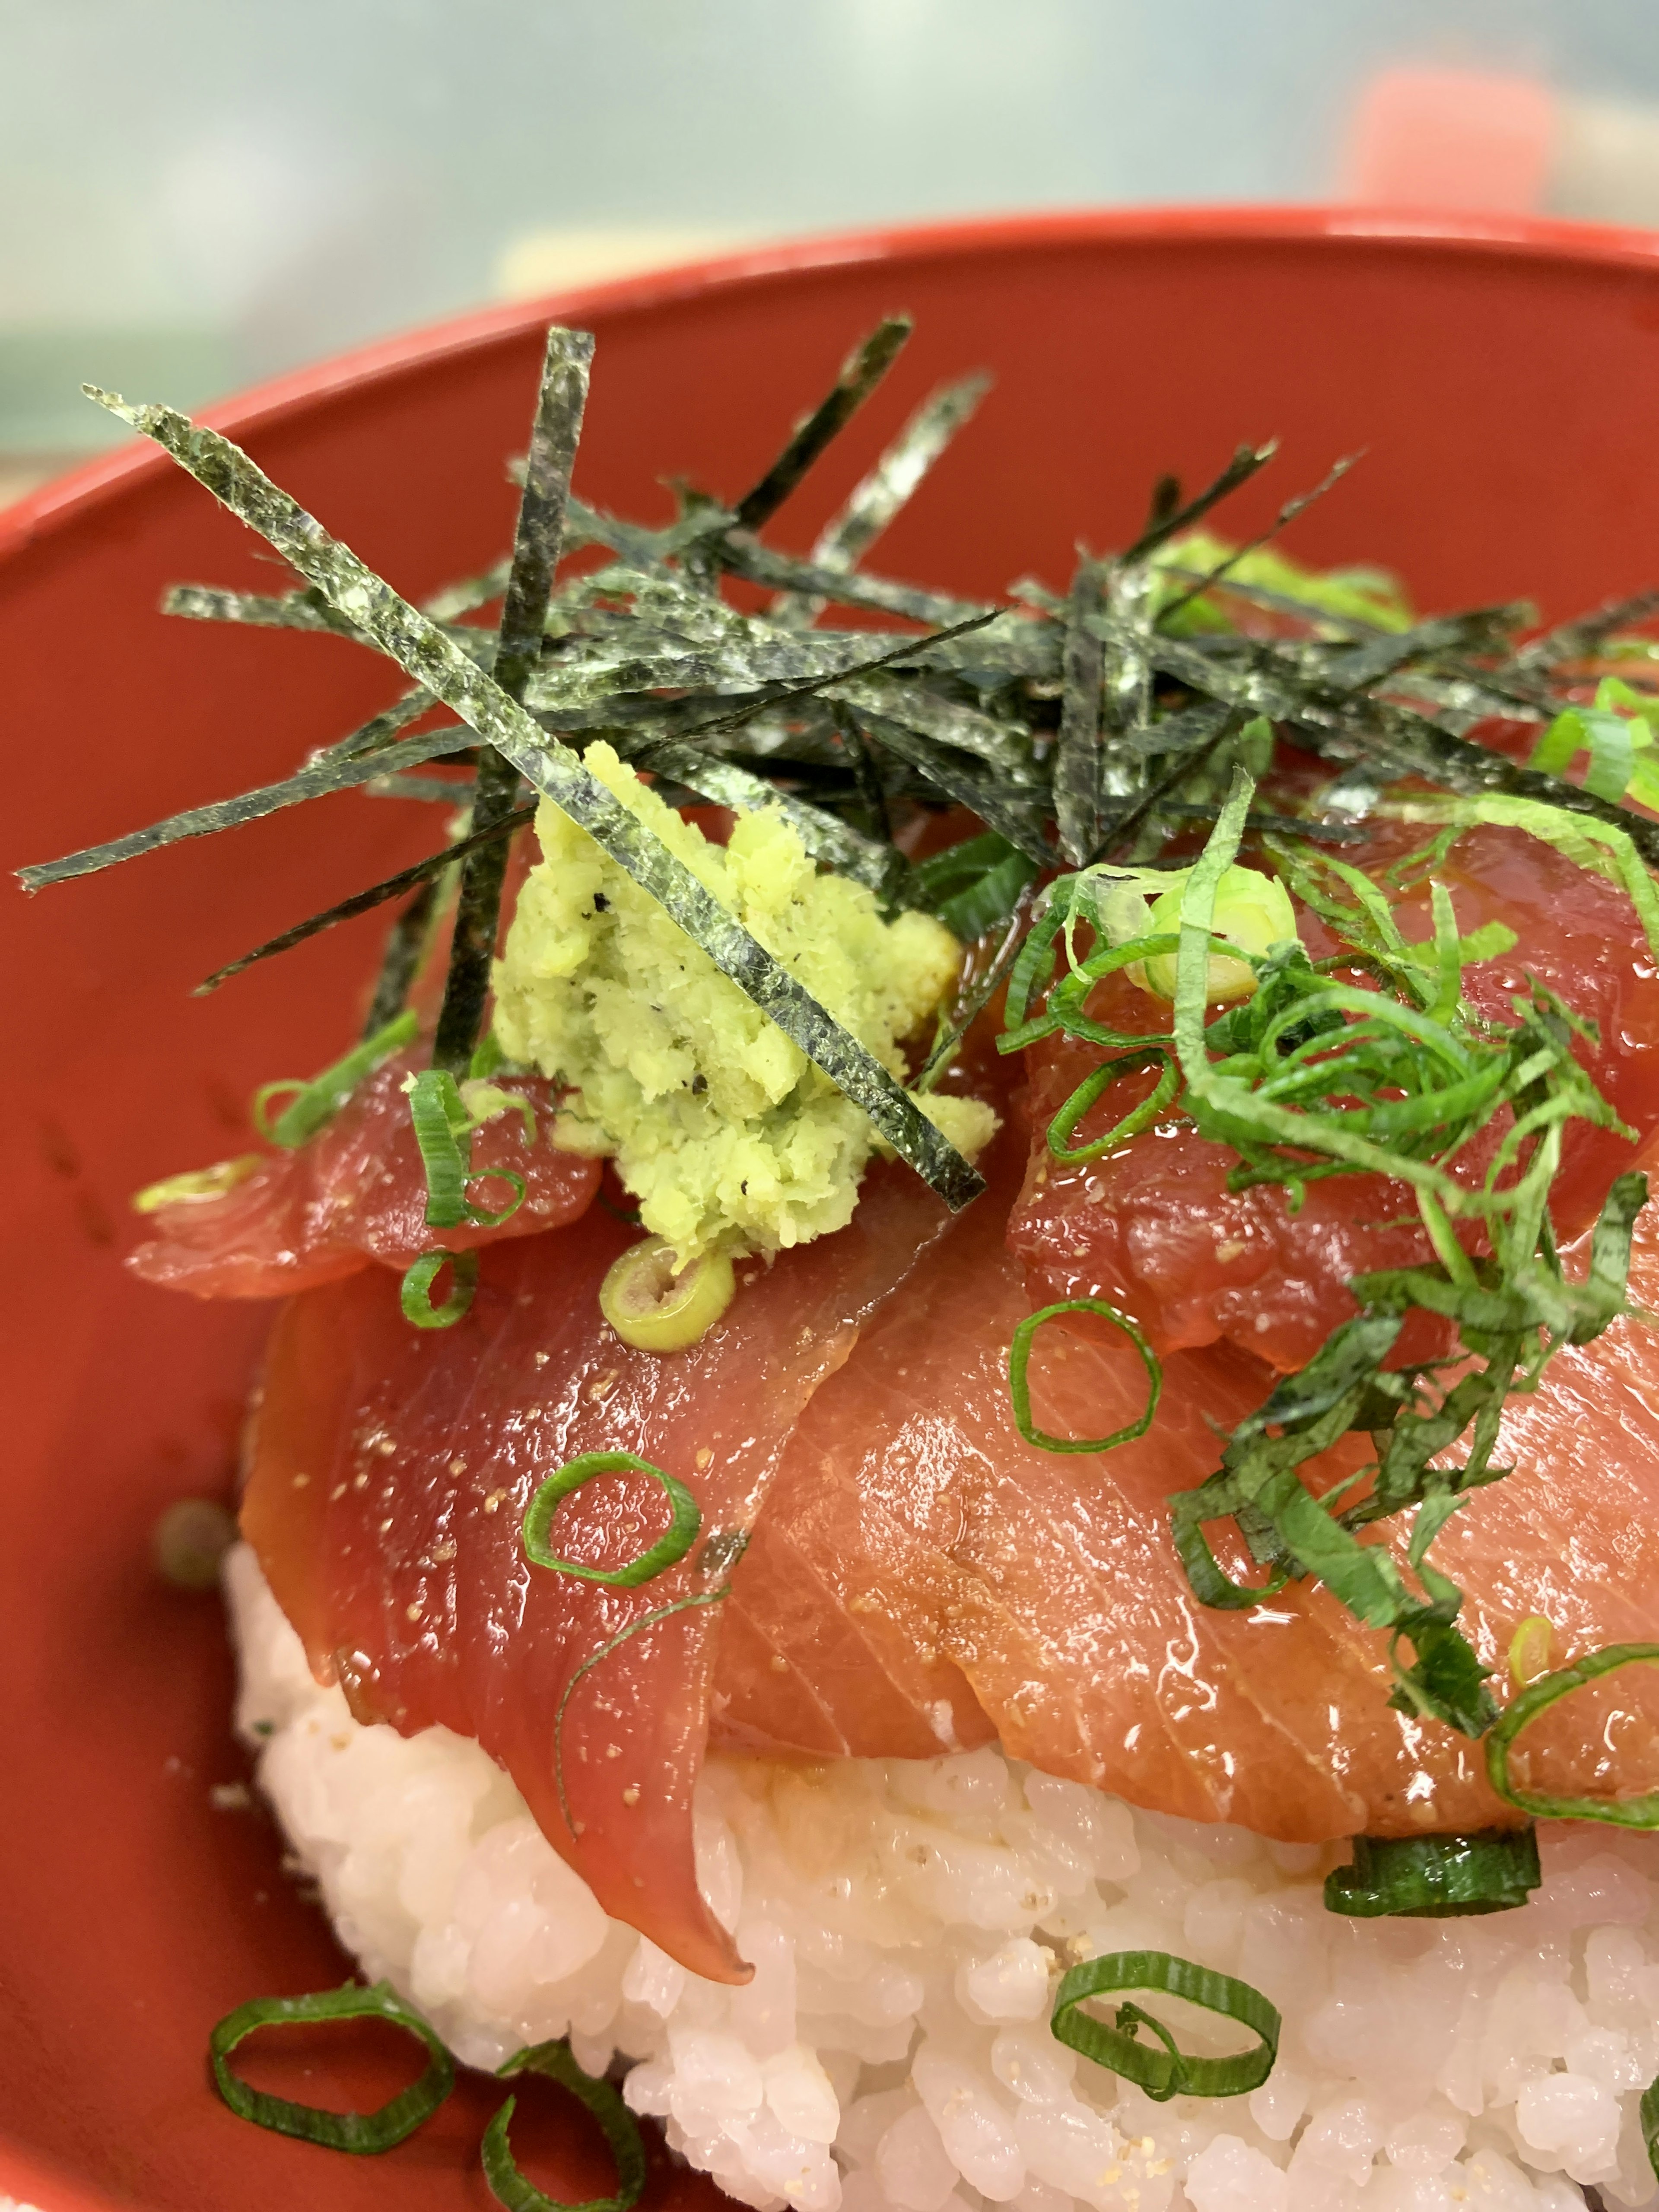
(363, 2133)
(670, 1547)
(1019, 1388)
(319, 1100)
(1536, 1698)
(1436, 1877)
(1170, 2071)
(509, 2186)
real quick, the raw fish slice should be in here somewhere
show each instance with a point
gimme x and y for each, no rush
(922, 1528)
(391, 1472)
(356, 1192)
(1153, 1228)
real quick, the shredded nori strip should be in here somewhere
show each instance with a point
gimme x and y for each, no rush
(424, 872)
(876, 498)
(328, 775)
(1077, 760)
(536, 544)
(860, 372)
(428, 655)
(400, 962)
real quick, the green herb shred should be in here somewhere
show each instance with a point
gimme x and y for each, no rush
(509, 2186)
(363, 2133)
(1166, 2071)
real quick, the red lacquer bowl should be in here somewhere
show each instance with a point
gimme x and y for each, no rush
(1503, 380)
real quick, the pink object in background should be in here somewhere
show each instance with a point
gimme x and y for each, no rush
(1452, 138)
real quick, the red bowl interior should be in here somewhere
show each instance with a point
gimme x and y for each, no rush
(1501, 382)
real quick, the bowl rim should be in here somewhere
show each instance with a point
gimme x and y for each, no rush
(64, 499)
(103, 481)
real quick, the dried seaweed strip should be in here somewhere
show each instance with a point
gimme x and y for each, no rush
(860, 372)
(1187, 730)
(756, 563)
(1286, 513)
(468, 595)
(1244, 464)
(971, 1003)
(882, 867)
(1280, 603)
(1408, 744)
(429, 656)
(948, 721)
(743, 664)
(315, 782)
(875, 499)
(1577, 640)
(255, 610)
(906, 649)
(1126, 690)
(436, 790)
(1077, 754)
(377, 733)
(1001, 806)
(866, 777)
(1364, 665)
(400, 963)
(424, 872)
(538, 540)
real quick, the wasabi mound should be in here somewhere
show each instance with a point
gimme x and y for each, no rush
(724, 1131)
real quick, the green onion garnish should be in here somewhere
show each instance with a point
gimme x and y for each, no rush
(416, 1292)
(318, 1101)
(1088, 1092)
(1648, 2113)
(670, 1547)
(597, 1658)
(1170, 2072)
(1537, 1698)
(359, 2132)
(441, 1118)
(1019, 1354)
(1436, 1877)
(619, 2127)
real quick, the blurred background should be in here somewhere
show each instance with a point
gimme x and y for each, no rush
(198, 193)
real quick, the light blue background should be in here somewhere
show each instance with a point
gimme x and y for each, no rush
(204, 191)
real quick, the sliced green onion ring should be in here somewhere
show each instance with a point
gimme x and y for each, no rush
(1091, 1090)
(670, 1547)
(1167, 2072)
(508, 2186)
(1436, 1877)
(319, 1100)
(363, 2133)
(415, 1294)
(1019, 1389)
(1536, 1697)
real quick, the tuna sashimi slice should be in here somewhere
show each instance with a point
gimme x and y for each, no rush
(391, 1472)
(914, 1545)
(1152, 1226)
(356, 1192)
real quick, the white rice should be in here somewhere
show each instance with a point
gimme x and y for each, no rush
(907, 1920)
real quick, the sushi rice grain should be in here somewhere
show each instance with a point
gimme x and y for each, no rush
(906, 1920)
